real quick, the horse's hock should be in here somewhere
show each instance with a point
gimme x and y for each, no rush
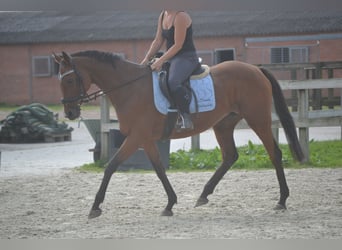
(115, 139)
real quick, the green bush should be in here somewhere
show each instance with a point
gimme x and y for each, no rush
(322, 154)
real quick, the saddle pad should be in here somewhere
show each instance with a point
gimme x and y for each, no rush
(203, 88)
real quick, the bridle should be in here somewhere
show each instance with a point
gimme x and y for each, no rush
(83, 96)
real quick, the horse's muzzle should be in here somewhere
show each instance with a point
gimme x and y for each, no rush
(72, 113)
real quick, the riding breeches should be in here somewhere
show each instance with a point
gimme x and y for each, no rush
(181, 67)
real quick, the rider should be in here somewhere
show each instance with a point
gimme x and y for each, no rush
(175, 27)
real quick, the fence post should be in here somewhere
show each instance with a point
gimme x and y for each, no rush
(294, 94)
(195, 142)
(275, 131)
(104, 135)
(317, 93)
(341, 107)
(303, 108)
(331, 90)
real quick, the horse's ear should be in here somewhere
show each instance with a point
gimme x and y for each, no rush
(57, 58)
(66, 57)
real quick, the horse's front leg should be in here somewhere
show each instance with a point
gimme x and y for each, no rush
(152, 152)
(126, 149)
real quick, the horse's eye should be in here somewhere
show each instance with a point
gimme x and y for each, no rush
(70, 81)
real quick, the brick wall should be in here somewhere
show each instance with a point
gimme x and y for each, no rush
(18, 86)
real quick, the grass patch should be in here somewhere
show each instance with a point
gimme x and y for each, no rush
(96, 167)
(323, 154)
(326, 154)
(251, 157)
(52, 107)
(8, 108)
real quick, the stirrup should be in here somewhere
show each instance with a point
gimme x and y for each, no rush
(184, 122)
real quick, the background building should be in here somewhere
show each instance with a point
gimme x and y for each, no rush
(27, 40)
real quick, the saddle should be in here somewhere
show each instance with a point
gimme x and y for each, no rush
(173, 114)
(201, 71)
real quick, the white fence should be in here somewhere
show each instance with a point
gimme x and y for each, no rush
(304, 118)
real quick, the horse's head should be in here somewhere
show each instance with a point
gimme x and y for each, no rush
(74, 86)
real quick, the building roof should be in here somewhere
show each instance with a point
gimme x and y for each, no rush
(52, 26)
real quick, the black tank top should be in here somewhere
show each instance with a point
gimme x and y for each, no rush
(169, 35)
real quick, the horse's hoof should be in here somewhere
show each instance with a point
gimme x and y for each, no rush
(201, 201)
(166, 213)
(94, 213)
(280, 207)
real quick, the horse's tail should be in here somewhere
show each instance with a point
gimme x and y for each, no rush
(284, 116)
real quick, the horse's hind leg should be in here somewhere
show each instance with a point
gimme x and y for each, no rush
(265, 134)
(224, 135)
(152, 152)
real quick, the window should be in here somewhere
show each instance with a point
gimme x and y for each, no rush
(222, 55)
(289, 55)
(55, 67)
(42, 66)
(280, 55)
(299, 55)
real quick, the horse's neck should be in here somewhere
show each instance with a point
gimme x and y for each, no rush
(108, 78)
(123, 83)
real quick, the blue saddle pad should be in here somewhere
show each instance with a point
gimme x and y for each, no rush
(204, 91)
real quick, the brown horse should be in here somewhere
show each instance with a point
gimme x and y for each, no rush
(241, 90)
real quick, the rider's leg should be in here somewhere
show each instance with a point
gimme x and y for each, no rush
(180, 70)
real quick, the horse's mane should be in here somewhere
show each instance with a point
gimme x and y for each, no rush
(101, 56)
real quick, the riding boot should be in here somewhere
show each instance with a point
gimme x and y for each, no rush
(182, 100)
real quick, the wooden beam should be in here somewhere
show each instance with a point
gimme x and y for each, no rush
(104, 134)
(311, 84)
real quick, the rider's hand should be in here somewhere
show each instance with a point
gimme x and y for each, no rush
(157, 64)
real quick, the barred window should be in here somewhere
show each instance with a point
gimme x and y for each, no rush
(280, 55)
(41, 66)
(289, 55)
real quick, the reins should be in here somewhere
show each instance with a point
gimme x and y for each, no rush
(84, 97)
(93, 96)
